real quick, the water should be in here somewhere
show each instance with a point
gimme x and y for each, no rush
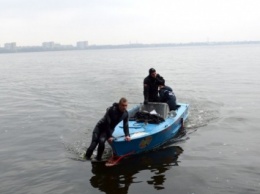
(51, 101)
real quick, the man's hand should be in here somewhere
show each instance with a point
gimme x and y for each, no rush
(110, 139)
(127, 138)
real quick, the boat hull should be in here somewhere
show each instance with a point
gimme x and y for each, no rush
(147, 136)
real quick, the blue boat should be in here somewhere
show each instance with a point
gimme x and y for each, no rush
(150, 125)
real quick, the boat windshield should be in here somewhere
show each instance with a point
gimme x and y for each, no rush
(159, 109)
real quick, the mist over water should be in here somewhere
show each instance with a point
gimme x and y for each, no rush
(51, 101)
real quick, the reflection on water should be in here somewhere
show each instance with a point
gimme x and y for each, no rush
(118, 179)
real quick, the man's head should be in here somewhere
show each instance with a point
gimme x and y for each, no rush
(123, 104)
(152, 72)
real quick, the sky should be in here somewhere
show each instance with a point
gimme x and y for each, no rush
(113, 22)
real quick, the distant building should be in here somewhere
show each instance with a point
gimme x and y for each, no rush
(82, 44)
(48, 45)
(57, 45)
(10, 46)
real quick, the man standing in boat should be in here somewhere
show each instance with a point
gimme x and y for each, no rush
(151, 83)
(105, 128)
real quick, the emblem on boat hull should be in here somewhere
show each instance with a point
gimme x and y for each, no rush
(145, 142)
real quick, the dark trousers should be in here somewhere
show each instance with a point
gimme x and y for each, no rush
(172, 103)
(154, 99)
(97, 139)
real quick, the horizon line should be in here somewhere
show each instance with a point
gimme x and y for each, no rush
(136, 43)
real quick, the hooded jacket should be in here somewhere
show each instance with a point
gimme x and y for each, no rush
(167, 95)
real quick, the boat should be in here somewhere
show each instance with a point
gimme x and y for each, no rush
(150, 126)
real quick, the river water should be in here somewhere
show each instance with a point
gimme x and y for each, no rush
(51, 101)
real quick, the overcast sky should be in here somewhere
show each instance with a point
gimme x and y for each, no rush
(31, 22)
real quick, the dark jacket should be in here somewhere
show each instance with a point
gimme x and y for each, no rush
(151, 88)
(166, 95)
(112, 117)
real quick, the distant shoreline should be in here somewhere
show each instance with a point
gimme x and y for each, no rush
(122, 46)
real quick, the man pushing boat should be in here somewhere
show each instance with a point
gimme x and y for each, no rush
(105, 128)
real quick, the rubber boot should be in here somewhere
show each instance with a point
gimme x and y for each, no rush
(99, 156)
(100, 153)
(89, 154)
